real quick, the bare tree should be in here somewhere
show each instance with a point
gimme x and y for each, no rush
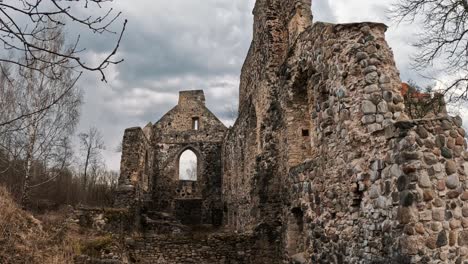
(91, 144)
(22, 23)
(22, 27)
(47, 127)
(36, 136)
(422, 103)
(444, 39)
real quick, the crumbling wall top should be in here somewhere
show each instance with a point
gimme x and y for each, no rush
(191, 96)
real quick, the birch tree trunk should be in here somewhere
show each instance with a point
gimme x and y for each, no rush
(25, 196)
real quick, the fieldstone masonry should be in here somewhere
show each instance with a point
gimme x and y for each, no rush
(150, 159)
(321, 166)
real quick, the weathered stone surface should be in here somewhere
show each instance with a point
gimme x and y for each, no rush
(465, 211)
(452, 194)
(446, 153)
(464, 196)
(382, 107)
(424, 216)
(372, 77)
(453, 181)
(411, 245)
(440, 141)
(299, 258)
(361, 56)
(368, 119)
(368, 107)
(438, 214)
(405, 215)
(450, 167)
(431, 242)
(374, 192)
(441, 185)
(442, 239)
(371, 88)
(428, 195)
(453, 236)
(307, 173)
(384, 79)
(430, 158)
(424, 180)
(463, 238)
(458, 121)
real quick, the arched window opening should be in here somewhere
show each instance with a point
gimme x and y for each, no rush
(188, 164)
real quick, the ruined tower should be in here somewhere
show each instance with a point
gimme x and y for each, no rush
(322, 164)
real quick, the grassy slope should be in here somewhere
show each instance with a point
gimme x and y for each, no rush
(51, 238)
(25, 239)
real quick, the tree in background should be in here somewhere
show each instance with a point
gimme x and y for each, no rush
(23, 24)
(444, 39)
(36, 153)
(422, 103)
(91, 145)
(35, 137)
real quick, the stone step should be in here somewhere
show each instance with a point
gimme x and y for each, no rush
(156, 215)
(162, 223)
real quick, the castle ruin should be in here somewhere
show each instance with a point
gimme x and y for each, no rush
(321, 166)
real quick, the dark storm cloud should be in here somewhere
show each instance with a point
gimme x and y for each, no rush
(168, 46)
(171, 46)
(167, 39)
(182, 45)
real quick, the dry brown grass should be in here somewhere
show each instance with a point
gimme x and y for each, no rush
(50, 238)
(25, 239)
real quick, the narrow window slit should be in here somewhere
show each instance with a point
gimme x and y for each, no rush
(195, 123)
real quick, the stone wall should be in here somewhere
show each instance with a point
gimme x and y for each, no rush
(135, 166)
(113, 220)
(359, 197)
(252, 149)
(221, 248)
(430, 171)
(318, 162)
(194, 202)
(322, 164)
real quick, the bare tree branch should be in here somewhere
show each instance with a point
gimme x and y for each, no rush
(45, 108)
(443, 44)
(23, 28)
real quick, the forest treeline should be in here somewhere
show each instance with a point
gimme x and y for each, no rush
(44, 162)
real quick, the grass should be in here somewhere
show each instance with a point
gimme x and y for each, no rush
(26, 239)
(50, 238)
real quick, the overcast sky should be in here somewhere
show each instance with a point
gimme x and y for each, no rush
(181, 45)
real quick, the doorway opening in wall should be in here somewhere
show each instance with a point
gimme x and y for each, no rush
(189, 211)
(188, 165)
(305, 132)
(294, 236)
(195, 123)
